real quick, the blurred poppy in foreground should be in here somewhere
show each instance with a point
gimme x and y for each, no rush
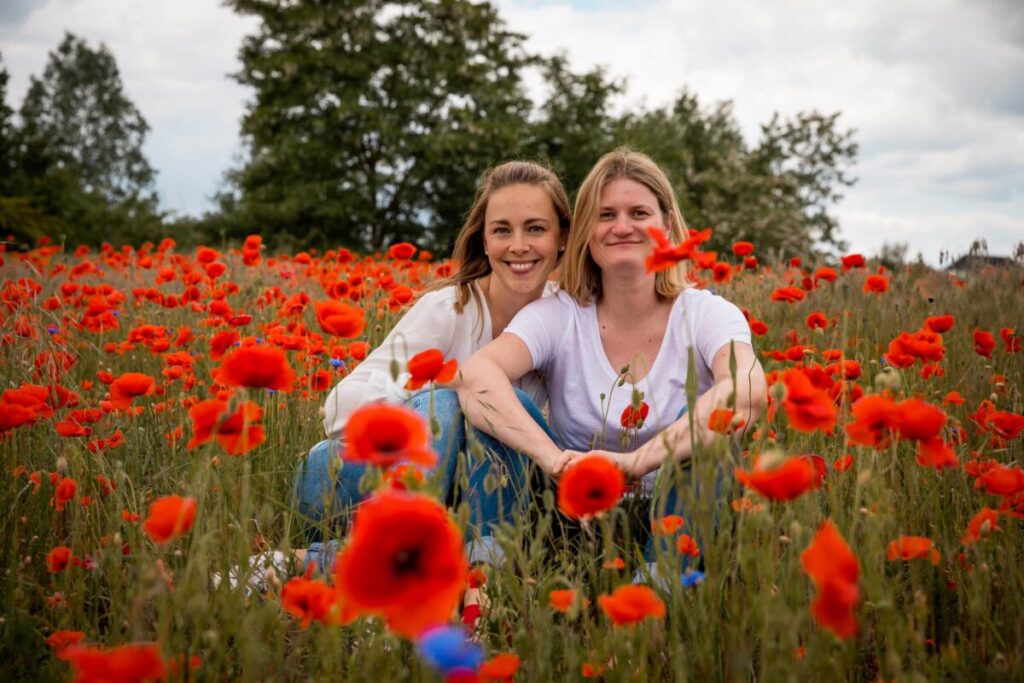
(169, 518)
(590, 486)
(386, 435)
(122, 664)
(787, 480)
(835, 571)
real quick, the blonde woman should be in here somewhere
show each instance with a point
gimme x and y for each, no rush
(611, 321)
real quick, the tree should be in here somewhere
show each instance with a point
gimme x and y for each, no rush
(80, 159)
(371, 121)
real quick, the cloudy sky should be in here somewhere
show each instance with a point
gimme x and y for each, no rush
(934, 89)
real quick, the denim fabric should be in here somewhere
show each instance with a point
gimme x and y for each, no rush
(319, 497)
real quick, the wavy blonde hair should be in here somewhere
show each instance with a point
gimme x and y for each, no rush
(580, 276)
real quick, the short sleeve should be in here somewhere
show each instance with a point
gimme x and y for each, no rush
(719, 323)
(543, 326)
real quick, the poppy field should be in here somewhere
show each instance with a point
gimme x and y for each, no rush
(158, 402)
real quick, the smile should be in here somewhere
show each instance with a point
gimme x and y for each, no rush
(520, 267)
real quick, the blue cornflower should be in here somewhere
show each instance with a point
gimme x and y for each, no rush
(691, 578)
(337, 363)
(447, 649)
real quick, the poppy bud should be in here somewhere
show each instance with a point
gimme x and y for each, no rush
(889, 379)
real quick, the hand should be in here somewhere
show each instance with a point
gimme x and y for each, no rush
(624, 461)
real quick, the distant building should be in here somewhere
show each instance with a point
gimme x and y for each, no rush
(972, 263)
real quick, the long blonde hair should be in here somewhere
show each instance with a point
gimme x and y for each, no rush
(468, 254)
(580, 275)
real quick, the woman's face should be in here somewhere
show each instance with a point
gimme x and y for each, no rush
(522, 239)
(619, 238)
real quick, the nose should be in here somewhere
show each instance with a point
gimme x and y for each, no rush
(623, 225)
(518, 244)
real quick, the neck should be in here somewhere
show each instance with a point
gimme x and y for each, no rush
(503, 305)
(628, 297)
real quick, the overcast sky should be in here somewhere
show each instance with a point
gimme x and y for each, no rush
(934, 89)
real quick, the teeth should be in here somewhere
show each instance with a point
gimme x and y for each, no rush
(521, 267)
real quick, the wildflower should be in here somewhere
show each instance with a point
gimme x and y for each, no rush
(340, 319)
(258, 367)
(59, 559)
(984, 343)
(385, 435)
(687, 546)
(430, 366)
(615, 563)
(122, 664)
(633, 418)
(1011, 339)
(404, 561)
(313, 600)
(742, 249)
(939, 324)
(807, 407)
(936, 453)
(448, 650)
(787, 294)
(500, 667)
(851, 261)
(877, 284)
(561, 600)
(917, 420)
(724, 421)
(691, 578)
(590, 486)
(835, 571)
(666, 255)
(64, 492)
(843, 463)
(817, 321)
(1001, 480)
(128, 386)
(238, 432)
(667, 525)
(909, 548)
(785, 481)
(872, 425)
(59, 640)
(824, 273)
(169, 518)
(982, 524)
(629, 605)
(402, 251)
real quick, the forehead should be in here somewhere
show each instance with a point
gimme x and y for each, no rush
(626, 192)
(519, 199)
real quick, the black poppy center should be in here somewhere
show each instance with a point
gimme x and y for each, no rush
(595, 494)
(406, 561)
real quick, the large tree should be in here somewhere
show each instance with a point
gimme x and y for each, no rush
(79, 157)
(372, 120)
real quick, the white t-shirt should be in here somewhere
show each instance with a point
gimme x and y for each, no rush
(564, 341)
(431, 323)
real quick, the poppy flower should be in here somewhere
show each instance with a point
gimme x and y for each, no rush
(590, 486)
(758, 327)
(312, 600)
(430, 366)
(128, 386)
(835, 571)
(258, 366)
(939, 324)
(824, 273)
(851, 261)
(918, 420)
(59, 640)
(721, 272)
(500, 667)
(787, 480)
(666, 255)
(872, 425)
(982, 524)
(633, 418)
(843, 463)
(724, 421)
(742, 249)
(687, 546)
(1011, 339)
(63, 492)
(385, 435)
(402, 251)
(169, 518)
(877, 284)
(238, 432)
(787, 294)
(405, 561)
(561, 600)
(936, 453)
(667, 525)
(220, 342)
(909, 548)
(131, 663)
(59, 559)
(629, 605)
(1001, 480)
(984, 343)
(817, 321)
(807, 407)
(340, 319)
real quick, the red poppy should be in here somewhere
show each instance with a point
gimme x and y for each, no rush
(59, 559)
(430, 366)
(340, 319)
(787, 480)
(313, 600)
(724, 421)
(817, 321)
(687, 546)
(385, 435)
(835, 571)
(666, 255)
(982, 524)
(590, 486)
(258, 366)
(238, 432)
(721, 272)
(1002, 480)
(63, 492)
(669, 524)
(561, 600)
(807, 407)
(872, 425)
(758, 327)
(742, 248)
(843, 463)
(629, 605)
(128, 386)
(876, 283)
(402, 251)
(1013, 341)
(984, 343)
(918, 420)
(169, 518)
(131, 663)
(633, 418)
(788, 294)
(852, 261)
(404, 561)
(909, 548)
(59, 640)
(824, 273)
(939, 324)
(936, 453)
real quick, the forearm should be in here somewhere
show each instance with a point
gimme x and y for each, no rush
(746, 397)
(490, 404)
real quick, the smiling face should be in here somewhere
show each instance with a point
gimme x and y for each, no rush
(619, 238)
(522, 238)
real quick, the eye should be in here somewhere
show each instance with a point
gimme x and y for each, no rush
(537, 228)
(607, 215)
(500, 230)
(641, 213)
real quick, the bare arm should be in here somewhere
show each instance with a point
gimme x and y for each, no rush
(751, 398)
(490, 404)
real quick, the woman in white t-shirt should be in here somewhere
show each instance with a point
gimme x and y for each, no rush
(613, 321)
(511, 241)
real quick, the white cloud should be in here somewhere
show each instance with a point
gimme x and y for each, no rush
(931, 87)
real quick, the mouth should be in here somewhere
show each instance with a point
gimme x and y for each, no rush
(522, 267)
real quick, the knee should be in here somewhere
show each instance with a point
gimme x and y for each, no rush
(313, 475)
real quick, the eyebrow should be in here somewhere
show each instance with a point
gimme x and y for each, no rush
(505, 221)
(631, 208)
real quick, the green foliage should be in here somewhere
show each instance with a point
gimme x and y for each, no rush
(76, 162)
